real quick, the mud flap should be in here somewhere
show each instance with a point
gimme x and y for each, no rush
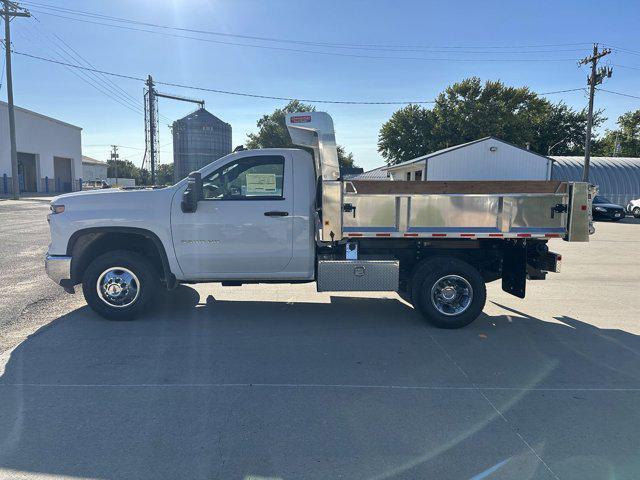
(514, 269)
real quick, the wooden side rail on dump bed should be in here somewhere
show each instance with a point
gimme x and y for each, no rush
(478, 187)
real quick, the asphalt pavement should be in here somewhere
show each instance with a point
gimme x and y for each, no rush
(24, 237)
(280, 382)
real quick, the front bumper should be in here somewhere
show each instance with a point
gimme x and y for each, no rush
(58, 267)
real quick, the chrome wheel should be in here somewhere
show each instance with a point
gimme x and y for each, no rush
(118, 287)
(451, 295)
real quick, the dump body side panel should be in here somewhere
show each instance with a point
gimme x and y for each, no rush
(455, 209)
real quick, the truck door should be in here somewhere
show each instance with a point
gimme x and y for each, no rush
(242, 229)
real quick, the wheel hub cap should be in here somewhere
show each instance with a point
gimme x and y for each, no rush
(451, 295)
(118, 287)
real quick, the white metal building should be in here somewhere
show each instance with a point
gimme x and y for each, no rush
(93, 169)
(617, 178)
(49, 152)
(487, 158)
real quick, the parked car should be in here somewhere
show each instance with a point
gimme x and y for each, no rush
(603, 209)
(634, 208)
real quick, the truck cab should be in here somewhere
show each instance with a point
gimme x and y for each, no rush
(253, 219)
(286, 216)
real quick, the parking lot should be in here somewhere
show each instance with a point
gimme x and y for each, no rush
(280, 382)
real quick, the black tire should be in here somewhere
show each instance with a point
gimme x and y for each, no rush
(636, 212)
(147, 277)
(433, 270)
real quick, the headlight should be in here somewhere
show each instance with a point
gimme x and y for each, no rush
(598, 209)
(56, 209)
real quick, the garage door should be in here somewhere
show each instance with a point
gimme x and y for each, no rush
(62, 174)
(28, 171)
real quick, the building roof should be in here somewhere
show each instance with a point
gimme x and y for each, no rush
(36, 114)
(614, 161)
(92, 161)
(379, 173)
(462, 145)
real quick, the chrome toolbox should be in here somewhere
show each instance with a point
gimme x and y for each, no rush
(367, 274)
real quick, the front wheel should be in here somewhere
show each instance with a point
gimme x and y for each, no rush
(636, 212)
(120, 285)
(448, 292)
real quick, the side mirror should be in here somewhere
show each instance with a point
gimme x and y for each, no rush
(193, 193)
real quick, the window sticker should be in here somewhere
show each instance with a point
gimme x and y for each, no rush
(261, 184)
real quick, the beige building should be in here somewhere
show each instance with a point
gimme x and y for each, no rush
(93, 169)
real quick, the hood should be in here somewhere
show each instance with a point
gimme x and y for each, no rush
(106, 194)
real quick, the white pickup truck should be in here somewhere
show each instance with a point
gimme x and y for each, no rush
(286, 216)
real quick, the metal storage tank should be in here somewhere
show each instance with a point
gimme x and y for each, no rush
(198, 139)
(618, 178)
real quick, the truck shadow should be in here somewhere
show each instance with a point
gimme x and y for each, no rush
(358, 387)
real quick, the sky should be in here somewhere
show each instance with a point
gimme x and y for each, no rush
(387, 51)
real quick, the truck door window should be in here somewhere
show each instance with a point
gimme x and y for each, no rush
(247, 178)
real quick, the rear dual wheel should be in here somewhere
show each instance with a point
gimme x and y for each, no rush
(448, 292)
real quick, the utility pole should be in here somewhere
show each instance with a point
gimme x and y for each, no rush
(595, 78)
(152, 127)
(12, 10)
(617, 147)
(114, 157)
(151, 121)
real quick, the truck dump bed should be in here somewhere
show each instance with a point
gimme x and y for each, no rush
(472, 209)
(483, 209)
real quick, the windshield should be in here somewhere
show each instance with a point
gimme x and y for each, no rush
(600, 199)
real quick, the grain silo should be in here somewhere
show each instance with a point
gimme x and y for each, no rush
(198, 139)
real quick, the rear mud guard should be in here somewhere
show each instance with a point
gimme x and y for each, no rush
(514, 269)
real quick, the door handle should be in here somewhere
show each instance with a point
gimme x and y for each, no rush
(276, 214)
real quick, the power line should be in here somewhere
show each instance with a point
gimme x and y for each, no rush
(226, 92)
(618, 93)
(87, 62)
(111, 145)
(251, 95)
(66, 52)
(623, 50)
(626, 66)
(316, 52)
(78, 72)
(563, 91)
(294, 41)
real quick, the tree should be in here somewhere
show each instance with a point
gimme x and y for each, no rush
(143, 176)
(164, 174)
(121, 169)
(407, 135)
(272, 132)
(622, 142)
(345, 160)
(470, 110)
